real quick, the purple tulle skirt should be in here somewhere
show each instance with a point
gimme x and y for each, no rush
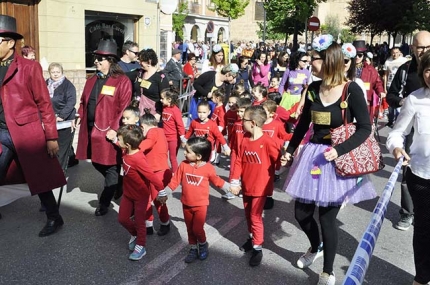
(313, 180)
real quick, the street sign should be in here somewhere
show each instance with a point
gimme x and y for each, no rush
(210, 27)
(313, 24)
(209, 35)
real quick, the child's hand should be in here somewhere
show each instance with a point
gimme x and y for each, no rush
(227, 152)
(111, 135)
(183, 145)
(235, 189)
(162, 200)
(286, 159)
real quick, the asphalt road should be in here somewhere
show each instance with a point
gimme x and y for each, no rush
(93, 250)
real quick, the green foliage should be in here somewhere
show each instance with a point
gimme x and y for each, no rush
(346, 36)
(178, 18)
(270, 33)
(230, 8)
(331, 26)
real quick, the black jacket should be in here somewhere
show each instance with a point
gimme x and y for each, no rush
(64, 100)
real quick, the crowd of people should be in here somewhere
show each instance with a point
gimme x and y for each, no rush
(273, 108)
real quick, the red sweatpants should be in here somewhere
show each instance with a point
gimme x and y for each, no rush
(127, 208)
(233, 157)
(173, 152)
(195, 218)
(253, 212)
(163, 212)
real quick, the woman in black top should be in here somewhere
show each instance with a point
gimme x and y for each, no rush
(312, 180)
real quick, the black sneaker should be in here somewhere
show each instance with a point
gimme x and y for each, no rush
(164, 230)
(256, 257)
(405, 222)
(277, 177)
(149, 231)
(247, 246)
(193, 254)
(203, 251)
(269, 203)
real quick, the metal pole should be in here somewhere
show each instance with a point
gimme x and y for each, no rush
(306, 35)
(229, 41)
(157, 34)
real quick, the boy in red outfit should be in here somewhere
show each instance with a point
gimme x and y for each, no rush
(230, 116)
(254, 166)
(218, 115)
(194, 175)
(138, 175)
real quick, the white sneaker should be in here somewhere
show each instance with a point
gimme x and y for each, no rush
(327, 279)
(308, 258)
(228, 196)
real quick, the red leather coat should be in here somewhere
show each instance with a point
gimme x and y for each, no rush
(27, 106)
(372, 82)
(108, 115)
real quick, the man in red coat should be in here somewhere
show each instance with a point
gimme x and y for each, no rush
(106, 94)
(28, 132)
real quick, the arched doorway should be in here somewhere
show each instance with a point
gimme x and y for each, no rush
(221, 35)
(195, 32)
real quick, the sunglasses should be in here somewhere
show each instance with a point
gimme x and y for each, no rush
(4, 40)
(99, 58)
(360, 54)
(305, 61)
(316, 58)
(135, 52)
(346, 60)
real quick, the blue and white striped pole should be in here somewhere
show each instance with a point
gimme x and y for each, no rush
(360, 262)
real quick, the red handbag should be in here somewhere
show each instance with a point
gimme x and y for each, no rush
(364, 159)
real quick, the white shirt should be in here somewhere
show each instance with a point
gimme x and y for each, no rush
(415, 113)
(391, 65)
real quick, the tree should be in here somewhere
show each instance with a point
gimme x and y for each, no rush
(178, 18)
(231, 9)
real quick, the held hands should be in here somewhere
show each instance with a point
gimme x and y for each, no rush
(227, 152)
(330, 154)
(162, 200)
(235, 189)
(286, 159)
(52, 147)
(183, 145)
(111, 135)
(399, 152)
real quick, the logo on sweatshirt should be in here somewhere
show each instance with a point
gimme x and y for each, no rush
(251, 157)
(214, 117)
(201, 132)
(166, 116)
(269, 132)
(194, 180)
(125, 168)
(238, 128)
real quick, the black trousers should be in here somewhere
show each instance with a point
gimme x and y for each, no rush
(111, 175)
(65, 137)
(304, 214)
(406, 204)
(419, 189)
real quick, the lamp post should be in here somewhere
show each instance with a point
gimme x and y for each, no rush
(167, 7)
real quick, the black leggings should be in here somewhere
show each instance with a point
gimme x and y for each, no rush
(420, 193)
(304, 214)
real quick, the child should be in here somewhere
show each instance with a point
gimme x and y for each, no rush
(274, 84)
(137, 176)
(203, 126)
(154, 146)
(254, 166)
(246, 94)
(238, 88)
(259, 94)
(230, 116)
(217, 116)
(173, 125)
(131, 114)
(194, 175)
(275, 129)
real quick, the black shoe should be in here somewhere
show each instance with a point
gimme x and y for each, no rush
(256, 257)
(247, 246)
(118, 193)
(149, 231)
(277, 177)
(164, 230)
(193, 254)
(51, 227)
(42, 208)
(0, 216)
(72, 162)
(203, 251)
(101, 210)
(269, 203)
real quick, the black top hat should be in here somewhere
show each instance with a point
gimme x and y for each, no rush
(8, 27)
(359, 45)
(107, 48)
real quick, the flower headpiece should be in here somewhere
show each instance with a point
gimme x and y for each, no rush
(349, 50)
(322, 42)
(216, 48)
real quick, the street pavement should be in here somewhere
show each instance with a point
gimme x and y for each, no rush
(93, 250)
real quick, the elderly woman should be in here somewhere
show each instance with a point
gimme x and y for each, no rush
(415, 114)
(216, 61)
(63, 98)
(106, 94)
(151, 83)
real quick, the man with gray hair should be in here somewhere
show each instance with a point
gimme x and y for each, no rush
(404, 83)
(129, 64)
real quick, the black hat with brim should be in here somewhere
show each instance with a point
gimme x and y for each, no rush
(8, 28)
(107, 48)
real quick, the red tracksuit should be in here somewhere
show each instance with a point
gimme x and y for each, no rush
(255, 167)
(173, 127)
(137, 181)
(209, 129)
(154, 146)
(230, 118)
(195, 195)
(218, 117)
(237, 135)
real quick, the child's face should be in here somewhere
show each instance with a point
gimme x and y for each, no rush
(203, 113)
(190, 155)
(256, 95)
(274, 82)
(217, 100)
(232, 103)
(247, 123)
(165, 101)
(241, 113)
(129, 118)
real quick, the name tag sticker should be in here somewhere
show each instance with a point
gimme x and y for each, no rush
(366, 85)
(145, 84)
(108, 90)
